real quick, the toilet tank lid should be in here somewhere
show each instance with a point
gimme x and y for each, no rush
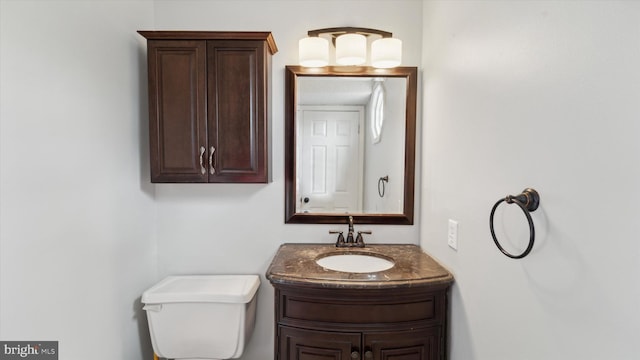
(203, 288)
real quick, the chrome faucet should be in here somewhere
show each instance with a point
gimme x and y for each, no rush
(350, 242)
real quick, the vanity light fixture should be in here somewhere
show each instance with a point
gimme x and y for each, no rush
(351, 47)
(313, 52)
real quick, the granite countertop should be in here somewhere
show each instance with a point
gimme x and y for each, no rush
(295, 264)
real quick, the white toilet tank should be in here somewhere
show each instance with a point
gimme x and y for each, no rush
(201, 316)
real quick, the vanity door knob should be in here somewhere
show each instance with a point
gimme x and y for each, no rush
(368, 354)
(306, 200)
(355, 355)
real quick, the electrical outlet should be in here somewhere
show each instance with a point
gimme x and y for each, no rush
(452, 234)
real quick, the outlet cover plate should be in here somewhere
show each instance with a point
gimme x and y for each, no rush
(452, 234)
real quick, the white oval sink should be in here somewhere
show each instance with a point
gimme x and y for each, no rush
(355, 263)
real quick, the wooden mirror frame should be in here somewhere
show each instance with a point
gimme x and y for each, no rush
(291, 75)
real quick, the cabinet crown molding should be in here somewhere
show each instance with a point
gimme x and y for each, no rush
(212, 35)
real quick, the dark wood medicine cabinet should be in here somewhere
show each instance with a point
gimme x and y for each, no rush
(209, 106)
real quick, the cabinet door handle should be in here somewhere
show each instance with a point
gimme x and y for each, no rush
(355, 355)
(203, 170)
(212, 169)
(368, 354)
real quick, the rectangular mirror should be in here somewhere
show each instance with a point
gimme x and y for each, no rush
(350, 144)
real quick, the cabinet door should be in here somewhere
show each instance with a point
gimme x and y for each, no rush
(406, 345)
(299, 344)
(177, 115)
(237, 78)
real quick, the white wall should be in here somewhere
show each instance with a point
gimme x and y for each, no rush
(541, 94)
(384, 158)
(238, 228)
(83, 233)
(78, 225)
(77, 243)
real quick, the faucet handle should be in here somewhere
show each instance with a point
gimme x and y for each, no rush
(340, 240)
(359, 240)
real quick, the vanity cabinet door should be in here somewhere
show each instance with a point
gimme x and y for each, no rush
(177, 110)
(423, 344)
(303, 344)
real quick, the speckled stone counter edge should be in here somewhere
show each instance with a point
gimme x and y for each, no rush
(295, 264)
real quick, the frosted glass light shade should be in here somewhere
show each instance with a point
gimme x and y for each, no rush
(313, 52)
(351, 49)
(386, 53)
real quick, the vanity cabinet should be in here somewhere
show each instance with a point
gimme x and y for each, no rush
(368, 324)
(395, 314)
(209, 106)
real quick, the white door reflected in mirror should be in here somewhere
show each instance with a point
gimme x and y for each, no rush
(340, 159)
(331, 149)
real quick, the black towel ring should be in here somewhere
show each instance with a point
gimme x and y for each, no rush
(528, 201)
(381, 187)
